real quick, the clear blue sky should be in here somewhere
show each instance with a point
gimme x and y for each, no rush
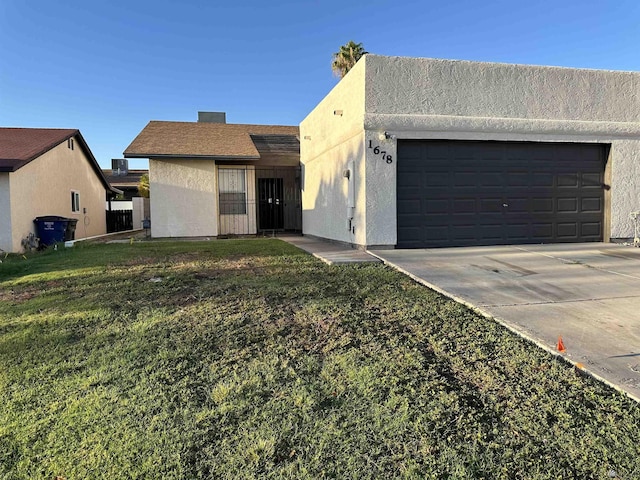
(107, 68)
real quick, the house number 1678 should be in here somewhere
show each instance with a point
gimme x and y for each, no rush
(377, 151)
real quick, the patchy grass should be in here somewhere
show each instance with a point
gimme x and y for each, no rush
(251, 359)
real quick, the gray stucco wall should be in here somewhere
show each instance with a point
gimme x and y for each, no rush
(423, 86)
(442, 99)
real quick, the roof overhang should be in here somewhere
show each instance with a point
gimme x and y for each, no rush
(12, 168)
(191, 157)
(94, 164)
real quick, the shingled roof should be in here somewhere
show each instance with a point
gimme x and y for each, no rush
(131, 179)
(210, 140)
(278, 144)
(19, 146)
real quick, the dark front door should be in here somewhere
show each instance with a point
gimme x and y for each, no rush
(270, 204)
(460, 193)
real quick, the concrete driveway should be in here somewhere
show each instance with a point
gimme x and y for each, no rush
(587, 293)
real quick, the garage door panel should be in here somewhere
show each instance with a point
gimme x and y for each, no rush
(437, 233)
(492, 232)
(413, 151)
(491, 205)
(462, 151)
(592, 181)
(567, 230)
(437, 207)
(465, 231)
(542, 231)
(564, 205)
(491, 179)
(544, 151)
(542, 205)
(516, 205)
(591, 204)
(464, 206)
(516, 232)
(465, 179)
(436, 150)
(589, 154)
(542, 180)
(410, 179)
(517, 179)
(437, 179)
(413, 207)
(567, 180)
(482, 193)
(590, 229)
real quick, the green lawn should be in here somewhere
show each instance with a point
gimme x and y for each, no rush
(251, 359)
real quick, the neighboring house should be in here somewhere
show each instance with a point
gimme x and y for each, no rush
(48, 172)
(129, 209)
(415, 152)
(123, 178)
(210, 178)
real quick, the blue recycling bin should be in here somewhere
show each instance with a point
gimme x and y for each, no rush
(51, 229)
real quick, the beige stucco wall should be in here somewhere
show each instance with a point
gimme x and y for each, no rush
(183, 196)
(43, 187)
(336, 142)
(6, 243)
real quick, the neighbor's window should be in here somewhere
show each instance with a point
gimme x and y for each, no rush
(75, 202)
(233, 191)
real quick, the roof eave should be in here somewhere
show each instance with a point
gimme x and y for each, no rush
(39, 153)
(83, 145)
(281, 154)
(9, 169)
(94, 163)
(190, 156)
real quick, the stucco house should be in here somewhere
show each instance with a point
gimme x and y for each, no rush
(417, 152)
(48, 172)
(210, 178)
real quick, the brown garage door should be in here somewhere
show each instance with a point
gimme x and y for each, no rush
(455, 193)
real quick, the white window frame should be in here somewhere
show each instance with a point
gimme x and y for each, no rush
(75, 201)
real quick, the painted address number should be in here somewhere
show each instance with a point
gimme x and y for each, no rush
(377, 151)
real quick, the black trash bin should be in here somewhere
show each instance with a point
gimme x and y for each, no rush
(70, 232)
(51, 229)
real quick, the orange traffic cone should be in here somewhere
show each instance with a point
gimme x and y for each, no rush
(560, 345)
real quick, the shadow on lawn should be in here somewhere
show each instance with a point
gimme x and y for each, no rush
(90, 256)
(41, 315)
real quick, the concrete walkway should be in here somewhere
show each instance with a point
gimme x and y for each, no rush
(587, 293)
(331, 253)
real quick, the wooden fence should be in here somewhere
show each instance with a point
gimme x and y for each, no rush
(119, 220)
